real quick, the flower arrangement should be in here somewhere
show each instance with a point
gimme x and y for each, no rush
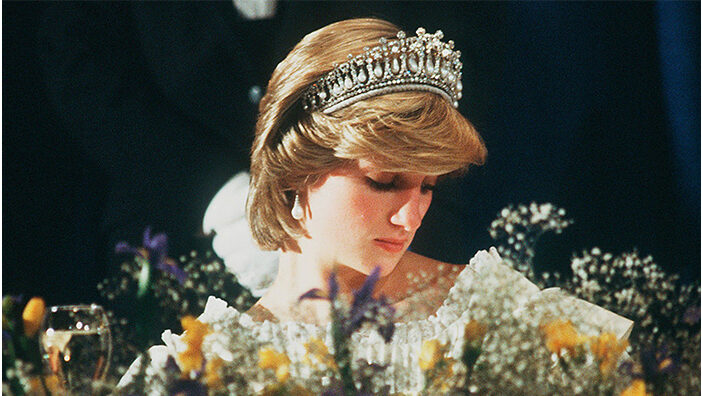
(517, 230)
(152, 291)
(504, 345)
(345, 320)
(664, 345)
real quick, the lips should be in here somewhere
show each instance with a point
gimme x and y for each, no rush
(391, 245)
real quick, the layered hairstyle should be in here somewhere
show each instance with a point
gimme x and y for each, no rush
(412, 131)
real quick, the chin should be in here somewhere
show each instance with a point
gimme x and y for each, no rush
(365, 263)
(386, 265)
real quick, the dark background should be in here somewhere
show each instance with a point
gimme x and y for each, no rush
(122, 115)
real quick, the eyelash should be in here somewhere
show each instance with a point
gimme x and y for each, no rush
(427, 188)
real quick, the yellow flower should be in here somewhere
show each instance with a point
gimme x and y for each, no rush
(34, 386)
(438, 368)
(432, 351)
(474, 332)
(637, 388)
(32, 315)
(212, 378)
(560, 335)
(665, 364)
(444, 374)
(607, 349)
(195, 332)
(53, 384)
(318, 349)
(269, 358)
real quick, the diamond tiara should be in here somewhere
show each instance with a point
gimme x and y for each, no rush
(421, 63)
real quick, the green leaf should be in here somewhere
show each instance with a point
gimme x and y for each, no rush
(144, 280)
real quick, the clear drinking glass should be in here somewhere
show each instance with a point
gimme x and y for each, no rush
(76, 346)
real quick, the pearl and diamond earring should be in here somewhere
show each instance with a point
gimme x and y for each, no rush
(296, 211)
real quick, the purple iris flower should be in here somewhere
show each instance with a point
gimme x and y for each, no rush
(363, 296)
(364, 307)
(333, 287)
(155, 250)
(318, 294)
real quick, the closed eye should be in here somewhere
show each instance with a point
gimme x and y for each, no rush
(392, 185)
(378, 186)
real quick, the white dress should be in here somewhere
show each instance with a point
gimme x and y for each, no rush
(474, 295)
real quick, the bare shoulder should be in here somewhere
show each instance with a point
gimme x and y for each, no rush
(419, 285)
(433, 271)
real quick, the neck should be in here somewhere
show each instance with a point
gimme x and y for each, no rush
(298, 273)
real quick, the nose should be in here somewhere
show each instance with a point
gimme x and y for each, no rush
(411, 211)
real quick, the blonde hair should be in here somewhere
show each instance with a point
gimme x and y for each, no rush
(400, 132)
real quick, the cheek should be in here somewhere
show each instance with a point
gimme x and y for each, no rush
(341, 211)
(424, 204)
(363, 208)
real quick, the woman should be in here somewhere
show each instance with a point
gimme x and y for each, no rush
(348, 149)
(357, 126)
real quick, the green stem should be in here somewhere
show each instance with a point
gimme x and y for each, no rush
(342, 354)
(12, 355)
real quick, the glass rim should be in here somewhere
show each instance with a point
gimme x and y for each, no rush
(78, 307)
(57, 314)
